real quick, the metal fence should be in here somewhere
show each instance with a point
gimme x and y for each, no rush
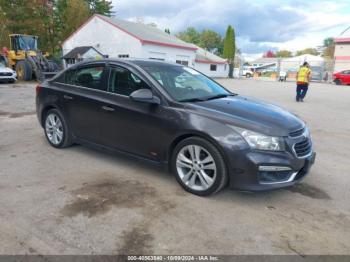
(286, 69)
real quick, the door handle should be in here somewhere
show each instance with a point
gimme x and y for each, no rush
(107, 108)
(68, 97)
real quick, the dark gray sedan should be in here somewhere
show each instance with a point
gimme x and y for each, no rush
(175, 116)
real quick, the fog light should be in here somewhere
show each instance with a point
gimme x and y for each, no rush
(276, 174)
(274, 168)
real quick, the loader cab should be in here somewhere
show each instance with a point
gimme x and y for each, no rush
(23, 42)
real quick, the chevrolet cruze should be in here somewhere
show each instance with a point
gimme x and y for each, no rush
(173, 115)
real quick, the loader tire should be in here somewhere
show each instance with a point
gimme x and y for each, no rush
(53, 66)
(24, 70)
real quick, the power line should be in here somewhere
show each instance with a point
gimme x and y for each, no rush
(345, 30)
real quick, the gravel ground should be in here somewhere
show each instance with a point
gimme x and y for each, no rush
(81, 201)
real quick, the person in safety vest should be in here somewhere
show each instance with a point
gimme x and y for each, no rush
(303, 79)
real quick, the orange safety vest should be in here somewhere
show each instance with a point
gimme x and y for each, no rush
(303, 74)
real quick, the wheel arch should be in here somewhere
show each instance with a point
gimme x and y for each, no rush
(202, 135)
(338, 81)
(46, 109)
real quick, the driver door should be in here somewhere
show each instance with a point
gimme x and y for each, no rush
(128, 125)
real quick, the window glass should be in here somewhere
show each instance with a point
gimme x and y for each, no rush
(89, 77)
(67, 77)
(182, 62)
(123, 82)
(183, 83)
(212, 67)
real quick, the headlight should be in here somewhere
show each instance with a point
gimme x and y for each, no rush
(260, 141)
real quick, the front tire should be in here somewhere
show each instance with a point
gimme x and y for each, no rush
(337, 82)
(56, 129)
(199, 167)
(24, 70)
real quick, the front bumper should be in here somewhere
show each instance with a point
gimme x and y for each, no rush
(8, 78)
(246, 169)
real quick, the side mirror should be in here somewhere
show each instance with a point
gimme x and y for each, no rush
(144, 95)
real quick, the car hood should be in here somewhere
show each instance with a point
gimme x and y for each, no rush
(6, 70)
(249, 113)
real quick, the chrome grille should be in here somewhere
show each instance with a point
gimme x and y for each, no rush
(303, 148)
(5, 74)
(297, 133)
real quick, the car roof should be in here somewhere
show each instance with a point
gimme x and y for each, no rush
(130, 61)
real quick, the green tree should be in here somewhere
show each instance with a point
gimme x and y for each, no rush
(73, 13)
(4, 41)
(310, 51)
(102, 7)
(51, 20)
(329, 47)
(329, 41)
(283, 53)
(207, 39)
(191, 35)
(230, 48)
(26, 17)
(210, 40)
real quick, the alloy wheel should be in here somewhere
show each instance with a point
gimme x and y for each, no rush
(196, 167)
(54, 129)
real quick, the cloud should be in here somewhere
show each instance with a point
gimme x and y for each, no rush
(258, 24)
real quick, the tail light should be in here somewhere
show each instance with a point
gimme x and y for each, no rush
(37, 89)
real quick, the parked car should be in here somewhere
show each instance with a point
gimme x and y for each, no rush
(342, 77)
(247, 73)
(7, 74)
(173, 115)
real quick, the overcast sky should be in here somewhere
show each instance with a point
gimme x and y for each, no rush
(260, 25)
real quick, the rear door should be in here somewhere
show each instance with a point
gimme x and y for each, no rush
(84, 88)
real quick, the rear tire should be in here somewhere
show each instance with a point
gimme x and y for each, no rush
(24, 70)
(56, 129)
(199, 167)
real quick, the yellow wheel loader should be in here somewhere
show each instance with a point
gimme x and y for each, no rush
(27, 60)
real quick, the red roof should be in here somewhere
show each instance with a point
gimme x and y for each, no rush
(342, 40)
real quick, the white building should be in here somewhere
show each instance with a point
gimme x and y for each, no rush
(123, 39)
(342, 52)
(210, 64)
(294, 63)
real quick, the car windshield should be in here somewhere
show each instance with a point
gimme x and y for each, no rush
(185, 84)
(2, 65)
